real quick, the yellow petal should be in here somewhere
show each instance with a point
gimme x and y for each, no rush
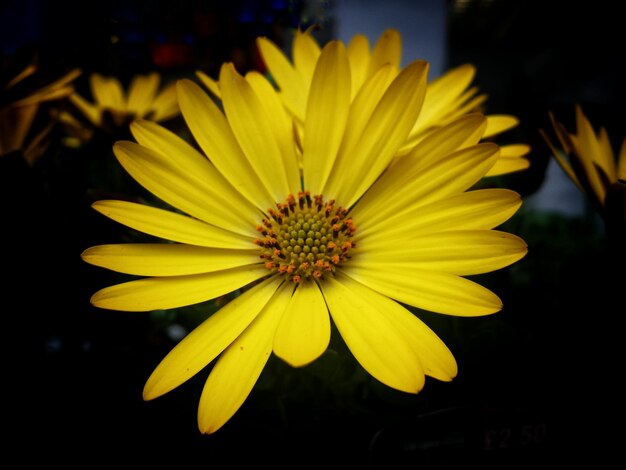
(204, 343)
(257, 137)
(407, 185)
(240, 365)
(514, 150)
(440, 95)
(369, 318)
(361, 110)
(165, 104)
(303, 333)
(605, 158)
(108, 92)
(89, 110)
(306, 51)
(326, 115)
(141, 93)
(212, 85)
(460, 133)
(177, 152)
(462, 252)
(387, 50)
(481, 209)
(438, 292)
(171, 225)
(157, 293)
(359, 56)
(281, 123)
(185, 184)
(211, 130)
(506, 165)
(378, 343)
(166, 259)
(290, 82)
(383, 135)
(499, 123)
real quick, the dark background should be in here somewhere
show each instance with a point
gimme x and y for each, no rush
(538, 382)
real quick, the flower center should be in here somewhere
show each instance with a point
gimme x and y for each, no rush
(306, 238)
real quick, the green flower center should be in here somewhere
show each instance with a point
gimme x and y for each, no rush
(306, 238)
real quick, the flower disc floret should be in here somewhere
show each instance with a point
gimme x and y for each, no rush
(306, 238)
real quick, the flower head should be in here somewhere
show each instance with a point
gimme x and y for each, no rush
(115, 108)
(333, 228)
(588, 160)
(447, 97)
(21, 98)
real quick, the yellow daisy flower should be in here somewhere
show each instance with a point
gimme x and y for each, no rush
(19, 108)
(447, 97)
(587, 158)
(348, 237)
(115, 108)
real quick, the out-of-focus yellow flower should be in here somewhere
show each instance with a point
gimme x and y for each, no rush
(588, 159)
(19, 106)
(114, 108)
(349, 236)
(447, 97)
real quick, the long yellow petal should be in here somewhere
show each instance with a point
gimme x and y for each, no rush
(177, 152)
(303, 333)
(460, 133)
(91, 111)
(358, 50)
(480, 209)
(157, 293)
(386, 315)
(212, 85)
(462, 252)
(211, 130)
(383, 349)
(387, 50)
(363, 105)
(238, 368)
(204, 343)
(165, 104)
(438, 292)
(166, 259)
(383, 135)
(254, 131)
(441, 93)
(141, 92)
(621, 162)
(108, 92)
(281, 123)
(499, 123)
(306, 51)
(506, 165)
(290, 82)
(191, 192)
(171, 225)
(326, 116)
(407, 185)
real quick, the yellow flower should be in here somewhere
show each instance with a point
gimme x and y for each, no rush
(346, 237)
(115, 108)
(447, 97)
(19, 108)
(588, 159)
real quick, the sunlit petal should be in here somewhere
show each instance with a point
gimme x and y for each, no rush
(205, 342)
(170, 292)
(240, 365)
(304, 331)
